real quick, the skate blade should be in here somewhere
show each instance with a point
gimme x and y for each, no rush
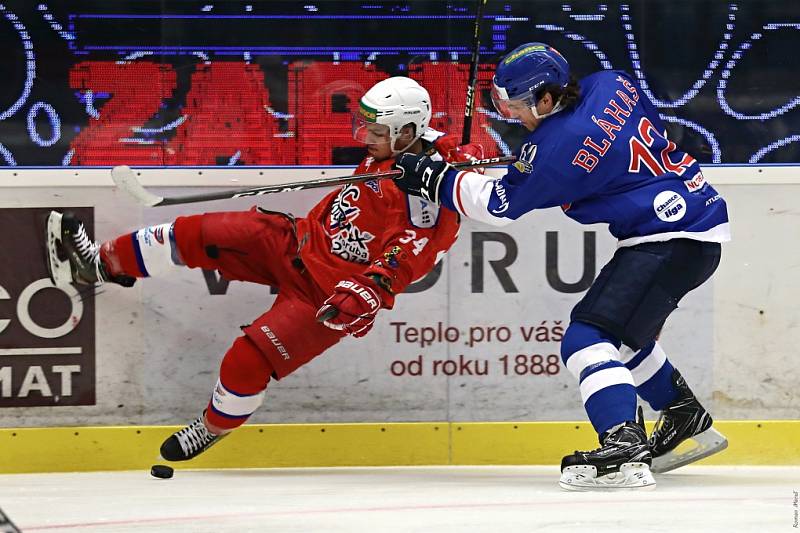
(59, 269)
(631, 476)
(706, 443)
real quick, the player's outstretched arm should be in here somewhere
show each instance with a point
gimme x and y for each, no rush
(496, 201)
(470, 193)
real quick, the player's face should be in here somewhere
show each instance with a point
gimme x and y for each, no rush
(516, 108)
(521, 111)
(379, 151)
(375, 136)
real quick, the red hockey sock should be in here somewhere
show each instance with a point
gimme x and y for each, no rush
(120, 257)
(243, 378)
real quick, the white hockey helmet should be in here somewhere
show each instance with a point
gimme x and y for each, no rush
(392, 103)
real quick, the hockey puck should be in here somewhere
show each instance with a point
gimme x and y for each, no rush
(161, 471)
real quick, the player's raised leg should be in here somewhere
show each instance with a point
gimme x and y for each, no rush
(74, 257)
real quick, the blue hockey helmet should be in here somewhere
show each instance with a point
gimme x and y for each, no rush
(523, 72)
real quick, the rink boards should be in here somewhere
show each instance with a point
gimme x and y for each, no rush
(470, 348)
(85, 449)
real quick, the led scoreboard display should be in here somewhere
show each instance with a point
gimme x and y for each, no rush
(274, 83)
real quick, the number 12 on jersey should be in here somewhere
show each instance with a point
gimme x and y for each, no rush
(653, 150)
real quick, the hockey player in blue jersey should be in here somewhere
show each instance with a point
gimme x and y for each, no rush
(598, 149)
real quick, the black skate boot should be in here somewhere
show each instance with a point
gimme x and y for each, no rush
(680, 421)
(189, 442)
(622, 462)
(72, 257)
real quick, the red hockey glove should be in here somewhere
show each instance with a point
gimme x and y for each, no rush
(352, 306)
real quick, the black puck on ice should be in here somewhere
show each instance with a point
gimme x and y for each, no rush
(161, 471)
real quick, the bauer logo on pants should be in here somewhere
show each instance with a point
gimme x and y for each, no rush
(47, 337)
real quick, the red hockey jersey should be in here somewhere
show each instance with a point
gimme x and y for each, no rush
(361, 223)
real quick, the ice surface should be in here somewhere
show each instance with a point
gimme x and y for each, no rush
(438, 499)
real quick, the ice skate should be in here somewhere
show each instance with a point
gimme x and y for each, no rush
(622, 462)
(72, 257)
(189, 442)
(686, 422)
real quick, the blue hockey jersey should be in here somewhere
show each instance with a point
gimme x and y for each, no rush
(608, 160)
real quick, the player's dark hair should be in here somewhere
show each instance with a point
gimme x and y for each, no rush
(569, 95)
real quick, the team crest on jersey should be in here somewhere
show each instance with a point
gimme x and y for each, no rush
(348, 241)
(375, 186)
(524, 162)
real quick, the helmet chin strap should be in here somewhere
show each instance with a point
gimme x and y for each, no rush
(558, 107)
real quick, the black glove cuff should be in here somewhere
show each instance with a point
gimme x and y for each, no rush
(422, 176)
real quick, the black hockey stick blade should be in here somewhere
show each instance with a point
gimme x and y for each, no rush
(125, 179)
(6, 525)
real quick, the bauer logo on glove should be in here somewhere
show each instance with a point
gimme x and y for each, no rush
(352, 306)
(366, 294)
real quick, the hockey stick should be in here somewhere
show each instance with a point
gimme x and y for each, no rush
(473, 73)
(6, 525)
(125, 178)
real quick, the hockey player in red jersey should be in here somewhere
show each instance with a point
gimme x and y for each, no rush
(336, 268)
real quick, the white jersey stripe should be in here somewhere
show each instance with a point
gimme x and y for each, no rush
(719, 233)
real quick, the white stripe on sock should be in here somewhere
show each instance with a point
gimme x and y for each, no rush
(649, 366)
(591, 355)
(607, 377)
(229, 403)
(156, 249)
(626, 353)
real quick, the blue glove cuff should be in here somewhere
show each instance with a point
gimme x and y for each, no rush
(446, 189)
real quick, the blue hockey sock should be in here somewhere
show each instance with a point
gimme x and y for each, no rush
(607, 387)
(652, 374)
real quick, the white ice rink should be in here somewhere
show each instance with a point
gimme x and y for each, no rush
(435, 499)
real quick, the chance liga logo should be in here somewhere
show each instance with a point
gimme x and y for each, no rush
(669, 206)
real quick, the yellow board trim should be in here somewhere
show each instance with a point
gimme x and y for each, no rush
(84, 449)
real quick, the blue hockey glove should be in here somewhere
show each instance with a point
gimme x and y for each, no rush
(422, 176)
